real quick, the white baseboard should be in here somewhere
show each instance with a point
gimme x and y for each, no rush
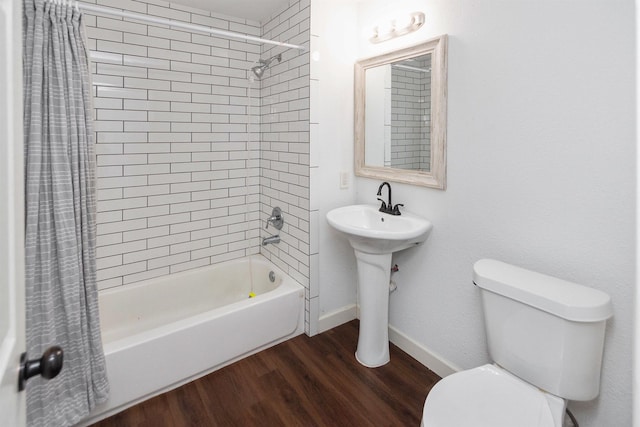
(422, 354)
(337, 318)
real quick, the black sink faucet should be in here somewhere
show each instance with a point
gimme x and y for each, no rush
(384, 208)
(388, 208)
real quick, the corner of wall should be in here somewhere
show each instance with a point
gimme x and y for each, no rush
(333, 47)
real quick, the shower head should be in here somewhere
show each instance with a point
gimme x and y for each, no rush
(263, 64)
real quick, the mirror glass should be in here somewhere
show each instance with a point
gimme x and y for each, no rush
(400, 115)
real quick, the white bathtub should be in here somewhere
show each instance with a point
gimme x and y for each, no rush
(165, 332)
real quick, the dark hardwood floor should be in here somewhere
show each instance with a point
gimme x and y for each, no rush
(302, 382)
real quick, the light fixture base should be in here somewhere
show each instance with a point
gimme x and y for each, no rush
(416, 22)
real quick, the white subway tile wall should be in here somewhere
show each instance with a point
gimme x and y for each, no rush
(177, 188)
(284, 130)
(411, 115)
(192, 156)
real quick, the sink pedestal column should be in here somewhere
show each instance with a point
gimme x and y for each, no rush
(374, 273)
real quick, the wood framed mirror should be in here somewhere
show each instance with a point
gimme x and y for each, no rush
(401, 115)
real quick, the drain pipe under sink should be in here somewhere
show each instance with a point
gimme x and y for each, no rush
(392, 283)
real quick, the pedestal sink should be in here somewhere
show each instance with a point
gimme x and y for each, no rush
(374, 236)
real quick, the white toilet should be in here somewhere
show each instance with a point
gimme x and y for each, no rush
(546, 338)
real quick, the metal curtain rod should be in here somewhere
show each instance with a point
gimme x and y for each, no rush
(163, 21)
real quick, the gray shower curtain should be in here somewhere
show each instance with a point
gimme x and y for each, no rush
(61, 292)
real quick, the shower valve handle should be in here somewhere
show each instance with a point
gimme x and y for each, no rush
(276, 218)
(48, 366)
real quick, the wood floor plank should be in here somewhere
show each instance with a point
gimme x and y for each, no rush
(322, 387)
(302, 382)
(335, 373)
(226, 396)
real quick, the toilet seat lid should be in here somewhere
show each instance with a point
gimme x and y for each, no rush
(486, 396)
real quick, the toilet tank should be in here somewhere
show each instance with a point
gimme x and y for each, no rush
(547, 331)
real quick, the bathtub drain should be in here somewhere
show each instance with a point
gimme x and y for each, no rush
(272, 276)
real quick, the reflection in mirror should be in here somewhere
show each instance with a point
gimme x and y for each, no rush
(400, 129)
(398, 114)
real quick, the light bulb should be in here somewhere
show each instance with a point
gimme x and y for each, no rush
(404, 21)
(384, 29)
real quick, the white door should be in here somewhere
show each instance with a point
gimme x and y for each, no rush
(12, 335)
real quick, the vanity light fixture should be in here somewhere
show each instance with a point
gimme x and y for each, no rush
(397, 27)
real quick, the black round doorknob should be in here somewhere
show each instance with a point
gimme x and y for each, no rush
(51, 362)
(48, 366)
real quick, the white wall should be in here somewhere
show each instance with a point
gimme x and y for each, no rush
(378, 108)
(636, 341)
(541, 172)
(333, 52)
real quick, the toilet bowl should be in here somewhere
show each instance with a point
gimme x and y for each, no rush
(489, 396)
(546, 338)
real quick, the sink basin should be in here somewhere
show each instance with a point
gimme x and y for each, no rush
(374, 232)
(374, 236)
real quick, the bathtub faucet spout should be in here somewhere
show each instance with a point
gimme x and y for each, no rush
(271, 239)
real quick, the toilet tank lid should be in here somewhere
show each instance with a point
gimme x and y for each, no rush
(556, 296)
